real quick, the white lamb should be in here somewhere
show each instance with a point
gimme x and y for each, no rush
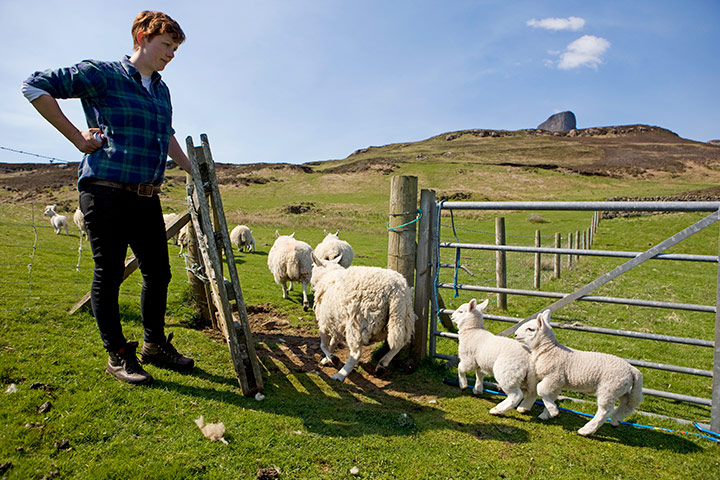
(484, 353)
(332, 247)
(290, 260)
(242, 238)
(361, 305)
(184, 237)
(58, 222)
(79, 220)
(608, 377)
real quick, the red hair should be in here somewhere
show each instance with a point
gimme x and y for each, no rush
(152, 24)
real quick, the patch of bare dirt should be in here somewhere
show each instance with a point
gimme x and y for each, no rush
(382, 165)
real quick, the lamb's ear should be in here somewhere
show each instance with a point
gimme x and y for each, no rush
(324, 231)
(277, 234)
(316, 260)
(484, 305)
(336, 259)
(545, 317)
(472, 304)
(337, 233)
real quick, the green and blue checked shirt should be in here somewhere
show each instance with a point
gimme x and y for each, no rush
(137, 123)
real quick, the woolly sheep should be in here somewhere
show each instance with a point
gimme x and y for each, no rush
(58, 222)
(290, 260)
(169, 218)
(79, 220)
(242, 238)
(332, 247)
(361, 305)
(484, 353)
(606, 376)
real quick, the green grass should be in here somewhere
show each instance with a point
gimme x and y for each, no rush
(308, 426)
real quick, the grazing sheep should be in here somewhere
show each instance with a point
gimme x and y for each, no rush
(291, 260)
(332, 247)
(361, 305)
(608, 377)
(242, 238)
(169, 218)
(79, 219)
(506, 359)
(58, 222)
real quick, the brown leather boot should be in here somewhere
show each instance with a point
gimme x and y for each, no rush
(124, 366)
(165, 355)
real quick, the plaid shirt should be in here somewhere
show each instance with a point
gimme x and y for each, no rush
(137, 124)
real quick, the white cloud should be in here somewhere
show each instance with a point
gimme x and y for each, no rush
(570, 23)
(586, 51)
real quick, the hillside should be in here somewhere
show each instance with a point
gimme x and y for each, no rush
(480, 164)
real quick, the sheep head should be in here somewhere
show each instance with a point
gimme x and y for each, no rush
(470, 315)
(536, 331)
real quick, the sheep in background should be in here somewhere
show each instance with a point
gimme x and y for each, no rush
(291, 260)
(484, 353)
(79, 220)
(332, 247)
(606, 376)
(58, 222)
(169, 218)
(242, 238)
(183, 238)
(361, 305)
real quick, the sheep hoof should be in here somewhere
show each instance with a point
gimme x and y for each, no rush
(339, 377)
(585, 431)
(477, 391)
(305, 308)
(495, 411)
(544, 416)
(522, 410)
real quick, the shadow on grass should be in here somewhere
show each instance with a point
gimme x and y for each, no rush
(295, 386)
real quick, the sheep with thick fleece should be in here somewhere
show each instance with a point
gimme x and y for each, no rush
(290, 260)
(242, 238)
(606, 376)
(59, 222)
(361, 305)
(332, 247)
(79, 220)
(484, 353)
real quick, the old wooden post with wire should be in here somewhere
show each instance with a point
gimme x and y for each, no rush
(423, 274)
(212, 242)
(401, 226)
(500, 263)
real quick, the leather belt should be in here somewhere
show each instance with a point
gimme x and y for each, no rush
(142, 189)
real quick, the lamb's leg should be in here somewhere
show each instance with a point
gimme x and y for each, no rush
(327, 345)
(349, 365)
(528, 401)
(479, 378)
(623, 410)
(605, 409)
(546, 389)
(514, 395)
(291, 286)
(462, 375)
(306, 304)
(387, 358)
(285, 289)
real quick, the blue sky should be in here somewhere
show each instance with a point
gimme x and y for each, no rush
(307, 80)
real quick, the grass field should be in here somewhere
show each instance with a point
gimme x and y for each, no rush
(404, 425)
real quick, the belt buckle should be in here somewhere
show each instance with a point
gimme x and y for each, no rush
(145, 189)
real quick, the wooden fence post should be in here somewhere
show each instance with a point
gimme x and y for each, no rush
(423, 276)
(401, 241)
(570, 246)
(557, 256)
(538, 263)
(577, 244)
(500, 262)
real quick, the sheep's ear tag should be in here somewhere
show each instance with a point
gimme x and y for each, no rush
(484, 304)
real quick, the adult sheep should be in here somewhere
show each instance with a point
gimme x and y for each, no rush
(608, 377)
(332, 247)
(79, 220)
(361, 305)
(290, 260)
(242, 238)
(59, 222)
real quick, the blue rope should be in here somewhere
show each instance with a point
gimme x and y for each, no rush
(457, 256)
(437, 256)
(419, 216)
(639, 425)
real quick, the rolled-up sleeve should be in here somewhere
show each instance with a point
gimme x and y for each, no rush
(83, 80)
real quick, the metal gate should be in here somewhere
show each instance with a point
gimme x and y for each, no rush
(582, 294)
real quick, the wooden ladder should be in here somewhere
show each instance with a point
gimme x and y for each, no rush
(212, 244)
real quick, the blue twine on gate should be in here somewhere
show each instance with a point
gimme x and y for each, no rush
(436, 246)
(714, 438)
(419, 216)
(457, 256)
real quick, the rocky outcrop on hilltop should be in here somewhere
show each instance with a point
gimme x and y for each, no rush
(560, 122)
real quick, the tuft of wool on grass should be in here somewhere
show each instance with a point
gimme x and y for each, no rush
(213, 431)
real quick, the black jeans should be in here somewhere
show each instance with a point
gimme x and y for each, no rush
(116, 219)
